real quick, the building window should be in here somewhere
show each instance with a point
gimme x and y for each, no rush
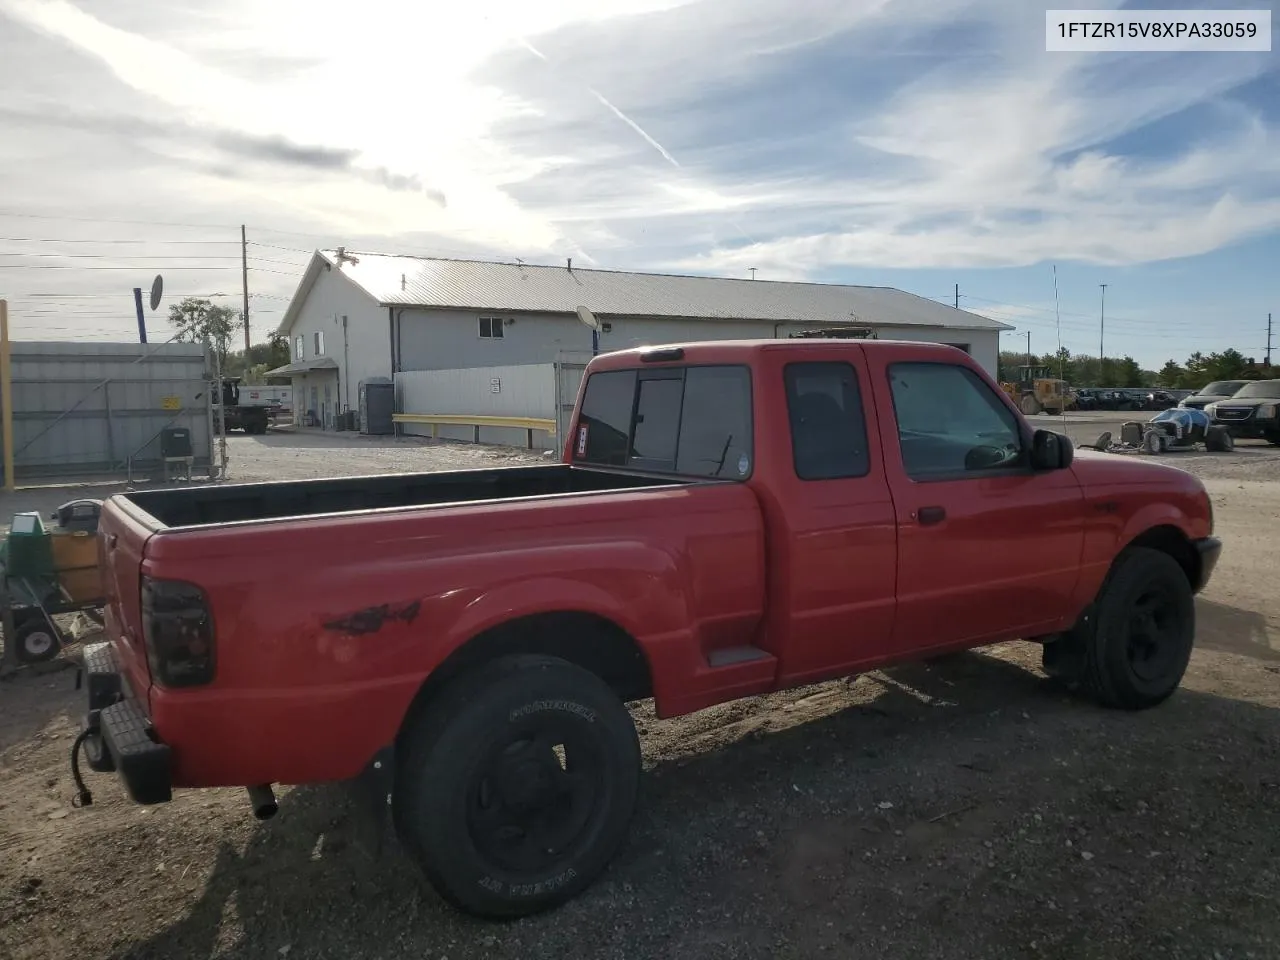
(491, 328)
(299, 347)
(319, 345)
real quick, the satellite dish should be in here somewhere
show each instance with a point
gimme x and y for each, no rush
(157, 290)
(588, 318)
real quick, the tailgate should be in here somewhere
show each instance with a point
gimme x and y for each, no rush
(122, 537)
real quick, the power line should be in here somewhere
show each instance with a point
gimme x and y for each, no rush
(276, 246)
(140, 223)
(84, 240)
(287, 263)
(68, 266)
(1145, 324)
(123, 256)
(109, 296)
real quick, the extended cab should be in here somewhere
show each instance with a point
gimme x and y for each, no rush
(730, 519)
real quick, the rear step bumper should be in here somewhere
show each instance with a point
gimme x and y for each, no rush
(121, 737)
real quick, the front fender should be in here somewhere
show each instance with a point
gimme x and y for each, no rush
(1153, 515)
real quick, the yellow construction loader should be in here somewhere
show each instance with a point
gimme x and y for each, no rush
(1036, 392)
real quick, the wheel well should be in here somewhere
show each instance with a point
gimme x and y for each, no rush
(589, 641)
(1171, 540)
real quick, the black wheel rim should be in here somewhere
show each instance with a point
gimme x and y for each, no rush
(536, 798)
(1154, 627)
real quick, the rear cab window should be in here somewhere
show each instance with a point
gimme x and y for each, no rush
(828, 426)
(693, 421)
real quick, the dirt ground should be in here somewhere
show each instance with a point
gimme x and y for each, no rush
(964, 809)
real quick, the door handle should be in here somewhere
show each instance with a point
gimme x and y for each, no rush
(931, 515)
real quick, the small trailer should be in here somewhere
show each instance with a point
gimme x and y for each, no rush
(46, 573)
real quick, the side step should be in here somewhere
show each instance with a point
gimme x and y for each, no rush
(728, 656)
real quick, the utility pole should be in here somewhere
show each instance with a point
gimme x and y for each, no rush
(1029, 348)
(1102, 323)
(244, 283)
(1267, 362)
(957, 296)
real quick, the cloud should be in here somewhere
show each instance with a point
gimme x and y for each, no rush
(274, 148)
(800, 138)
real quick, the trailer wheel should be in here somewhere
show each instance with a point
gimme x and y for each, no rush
(36, 640)
(517, 785)
(1218, 440)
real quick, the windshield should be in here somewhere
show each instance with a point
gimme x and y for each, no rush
(1221, 388)
(1263, 389)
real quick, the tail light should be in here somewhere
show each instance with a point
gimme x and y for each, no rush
(178, 629)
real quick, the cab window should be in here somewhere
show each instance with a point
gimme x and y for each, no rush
(694, 421)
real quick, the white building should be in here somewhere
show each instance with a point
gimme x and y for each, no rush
(356, 316)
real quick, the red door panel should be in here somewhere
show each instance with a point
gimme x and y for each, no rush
(830, 523)
(987, 550)
(1002, 563)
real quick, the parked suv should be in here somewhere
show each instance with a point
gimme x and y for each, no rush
(1212, 393)
(1254, 412)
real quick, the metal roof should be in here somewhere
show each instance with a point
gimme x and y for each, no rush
(394, 280)
(304, 366)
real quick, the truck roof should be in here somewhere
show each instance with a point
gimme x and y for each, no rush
(741, 351)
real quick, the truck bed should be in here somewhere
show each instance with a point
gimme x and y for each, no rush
(238, 503)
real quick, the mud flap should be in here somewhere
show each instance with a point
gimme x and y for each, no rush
(373, 829)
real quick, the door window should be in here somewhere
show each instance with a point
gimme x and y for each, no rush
(828, 430)
(950, 423)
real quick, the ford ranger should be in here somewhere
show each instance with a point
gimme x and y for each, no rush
(728, 519)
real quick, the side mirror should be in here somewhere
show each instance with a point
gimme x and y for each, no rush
(1051, 451)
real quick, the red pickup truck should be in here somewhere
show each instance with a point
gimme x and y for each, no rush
(730, 519)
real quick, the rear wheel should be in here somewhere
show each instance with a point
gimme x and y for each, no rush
(1132, 651)
(518, 786)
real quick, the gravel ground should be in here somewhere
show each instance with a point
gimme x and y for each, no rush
(962, 809)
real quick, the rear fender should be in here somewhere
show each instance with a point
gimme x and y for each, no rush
(524, 598)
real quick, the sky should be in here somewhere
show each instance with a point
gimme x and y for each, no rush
(927, 145)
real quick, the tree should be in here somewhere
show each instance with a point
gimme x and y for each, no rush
(1230, 364)
(198, 321)
(260, 358)
(1171, 375)
(1129, 372)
